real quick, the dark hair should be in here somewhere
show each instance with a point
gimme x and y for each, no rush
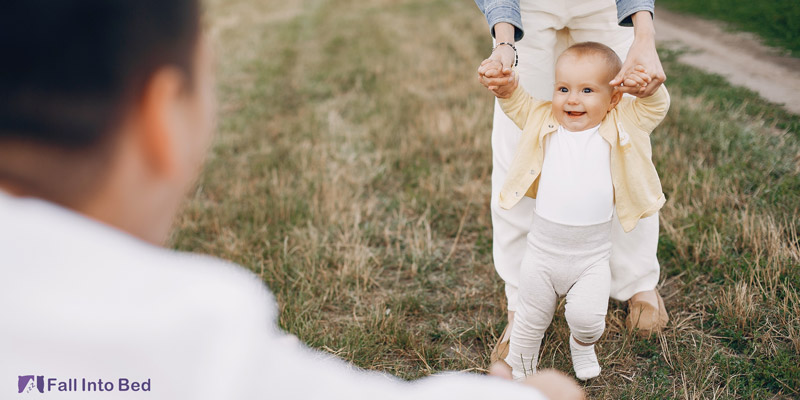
(71, 68)
(612, 61)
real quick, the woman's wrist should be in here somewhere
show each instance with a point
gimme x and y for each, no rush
(643, 28)
(511, 45)
(505, 53)
(504, 32)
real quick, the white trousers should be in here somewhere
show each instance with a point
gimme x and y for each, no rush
(551, 27)
(560, 260)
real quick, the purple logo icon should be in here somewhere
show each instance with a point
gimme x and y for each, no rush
(26, 383)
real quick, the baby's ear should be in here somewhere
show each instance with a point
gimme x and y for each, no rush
(616, 96)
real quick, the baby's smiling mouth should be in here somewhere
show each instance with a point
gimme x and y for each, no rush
(575, 114)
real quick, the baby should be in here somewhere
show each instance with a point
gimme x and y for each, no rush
(586, 158)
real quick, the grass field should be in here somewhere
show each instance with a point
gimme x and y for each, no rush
(351, 171)
(776, 21)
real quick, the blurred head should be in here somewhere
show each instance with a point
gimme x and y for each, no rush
(106, 106)
(582, 95)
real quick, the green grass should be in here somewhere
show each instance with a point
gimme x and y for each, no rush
(351, 172)
(777, 21)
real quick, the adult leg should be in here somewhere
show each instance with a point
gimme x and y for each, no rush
(511, 226)
(635, 273)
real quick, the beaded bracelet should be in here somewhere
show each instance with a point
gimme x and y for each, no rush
(516, 56)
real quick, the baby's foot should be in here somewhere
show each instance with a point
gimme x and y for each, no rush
(584, 360)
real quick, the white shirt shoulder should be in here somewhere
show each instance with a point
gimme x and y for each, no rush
(81, 301)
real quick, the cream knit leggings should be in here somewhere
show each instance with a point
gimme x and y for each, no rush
(560, 260)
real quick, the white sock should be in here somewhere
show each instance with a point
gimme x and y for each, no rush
(584, 360)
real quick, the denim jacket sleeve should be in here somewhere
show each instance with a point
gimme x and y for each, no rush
(502, 11)
(626, 8)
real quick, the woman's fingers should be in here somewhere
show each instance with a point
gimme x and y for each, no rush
(500, 80)
(634, 80)
(642, 73)
(489, 64)
(638, 82)
(491, 83)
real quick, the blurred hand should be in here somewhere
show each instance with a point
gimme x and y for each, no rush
(500, 369)
(553, 384)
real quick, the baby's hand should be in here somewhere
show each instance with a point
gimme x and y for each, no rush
(490, 68)
(505, 91)
(637, 78)
(500, 82)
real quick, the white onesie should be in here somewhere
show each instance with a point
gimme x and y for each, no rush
(575, 187)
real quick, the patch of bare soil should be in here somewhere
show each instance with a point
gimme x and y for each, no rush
(739, 57)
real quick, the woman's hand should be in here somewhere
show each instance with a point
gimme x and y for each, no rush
(642, 53)
(499, 79)
(495, 72)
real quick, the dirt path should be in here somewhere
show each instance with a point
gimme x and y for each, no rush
(740, 57)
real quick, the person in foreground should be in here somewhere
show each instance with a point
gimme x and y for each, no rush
(582, 156)
(106, 112)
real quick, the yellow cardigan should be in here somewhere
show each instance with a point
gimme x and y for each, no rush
(637, 189)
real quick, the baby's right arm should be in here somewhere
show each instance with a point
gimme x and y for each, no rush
(522, 108)
(494, 77)
(514, 100)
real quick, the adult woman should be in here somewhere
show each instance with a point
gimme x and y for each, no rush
(552, 27)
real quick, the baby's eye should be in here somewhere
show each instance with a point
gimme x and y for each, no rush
(586, 90)
(562, 89)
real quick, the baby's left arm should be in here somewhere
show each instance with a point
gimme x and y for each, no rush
(647, 112)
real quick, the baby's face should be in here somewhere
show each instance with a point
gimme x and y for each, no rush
(582, 95)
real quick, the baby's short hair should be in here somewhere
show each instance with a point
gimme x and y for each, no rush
(609, 56)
